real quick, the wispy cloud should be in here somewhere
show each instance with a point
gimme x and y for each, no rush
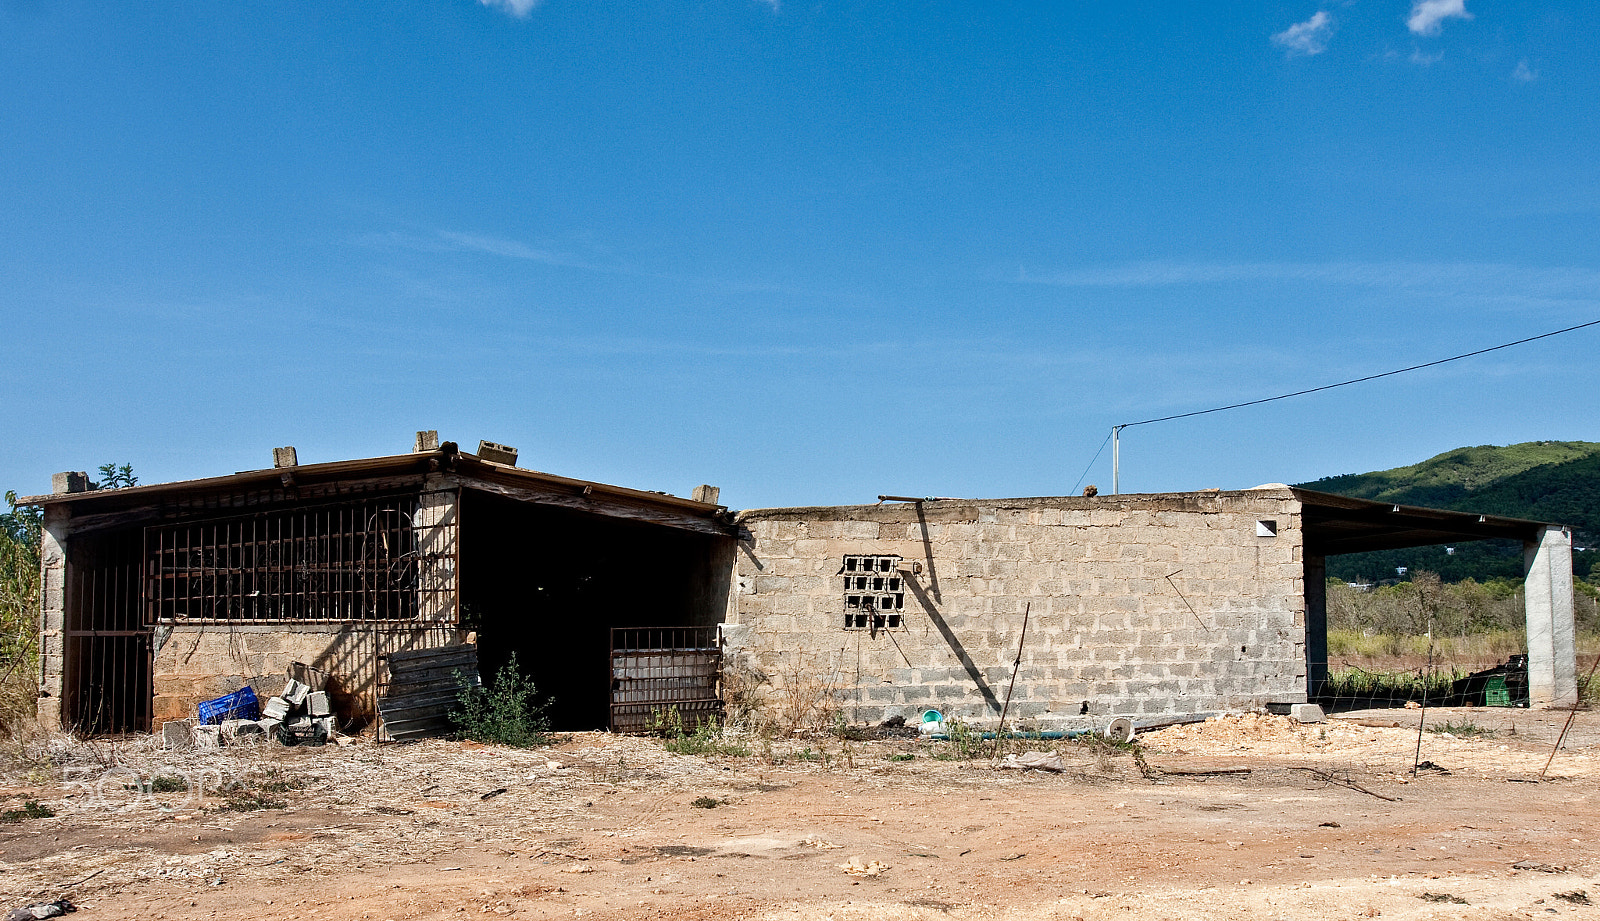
(1425, 60)
(1427, 15)
(1307, 38)
(494, 246)
(517, 8)
(1523, 73)
(1466, 277)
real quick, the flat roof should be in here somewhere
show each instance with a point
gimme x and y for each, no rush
(1336, 525)
(1332, 524)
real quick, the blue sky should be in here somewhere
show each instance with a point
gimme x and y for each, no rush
(809, 252)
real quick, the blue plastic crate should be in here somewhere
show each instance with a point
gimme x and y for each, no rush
(240, 705)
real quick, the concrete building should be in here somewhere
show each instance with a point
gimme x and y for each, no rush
(158, 597)
(1135, 604)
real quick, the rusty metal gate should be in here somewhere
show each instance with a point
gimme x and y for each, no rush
(107, 664)
(659, 671)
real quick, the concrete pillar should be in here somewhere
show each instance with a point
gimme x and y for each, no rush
(1552, 654)
(1316, 588)
(53, 647)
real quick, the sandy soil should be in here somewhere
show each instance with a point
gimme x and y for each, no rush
(1314, 821)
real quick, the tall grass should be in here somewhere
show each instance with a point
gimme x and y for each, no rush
(1358, 685)
(1391, 650)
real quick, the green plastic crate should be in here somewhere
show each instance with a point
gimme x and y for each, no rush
(1495, 693)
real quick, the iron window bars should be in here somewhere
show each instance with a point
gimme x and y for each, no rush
(385, 558)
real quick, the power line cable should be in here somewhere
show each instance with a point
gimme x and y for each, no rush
(1370, 377)
(1086, 470)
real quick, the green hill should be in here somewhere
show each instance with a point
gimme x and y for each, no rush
(1556, 481)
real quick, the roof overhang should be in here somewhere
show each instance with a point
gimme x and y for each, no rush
(1335, 525)
(398, 471)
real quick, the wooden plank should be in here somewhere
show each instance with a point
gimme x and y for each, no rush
(464, 651)
(424, 686)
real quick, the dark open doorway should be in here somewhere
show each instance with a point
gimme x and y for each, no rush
(548, 584)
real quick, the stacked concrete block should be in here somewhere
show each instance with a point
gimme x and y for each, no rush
(276, 708)
(295, 693)
(299, 713)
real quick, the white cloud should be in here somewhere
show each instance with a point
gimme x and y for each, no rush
(518, 8)
(1425, 60)
(1309, 37)
(1426, 15)
(1524, 73)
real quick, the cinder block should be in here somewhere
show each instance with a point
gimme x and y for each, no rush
(269, 726)
(177, 735)
(295, 693)
(207, 736)
(236, 729)
(317, 704)
(276, 709)
(69, 482)
(497, 453)
(1306, 713)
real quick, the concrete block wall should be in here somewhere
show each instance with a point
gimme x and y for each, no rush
(1107, 624)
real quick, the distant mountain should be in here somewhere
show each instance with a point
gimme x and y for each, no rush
(1557, 481)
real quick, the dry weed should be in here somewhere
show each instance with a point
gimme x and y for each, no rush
(803, 695)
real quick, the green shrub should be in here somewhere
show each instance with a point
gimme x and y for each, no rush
(30, 810)
(706, 739)
(504, 712)
(965, 743)
(1465, 729)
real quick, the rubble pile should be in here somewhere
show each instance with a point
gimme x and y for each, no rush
(298, 716)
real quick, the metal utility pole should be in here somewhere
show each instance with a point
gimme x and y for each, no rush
(1116, 458)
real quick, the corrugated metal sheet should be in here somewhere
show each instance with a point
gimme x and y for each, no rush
(424, 685)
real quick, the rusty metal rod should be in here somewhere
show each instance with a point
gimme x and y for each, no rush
(1021, 641)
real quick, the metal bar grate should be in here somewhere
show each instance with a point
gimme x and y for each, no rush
(373, 559)
(659, 669)
(107, 648)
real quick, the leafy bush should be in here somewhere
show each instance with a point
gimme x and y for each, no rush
(502, 713)
(965, 743)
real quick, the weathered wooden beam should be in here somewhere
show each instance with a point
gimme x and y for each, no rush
(602, 505)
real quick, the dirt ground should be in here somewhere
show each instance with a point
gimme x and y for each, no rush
(1308, 821)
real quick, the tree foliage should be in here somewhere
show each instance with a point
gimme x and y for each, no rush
(1556, 481)
(1462, 608)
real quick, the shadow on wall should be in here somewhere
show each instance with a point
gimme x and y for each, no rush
(950, 638)
(193, 664)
